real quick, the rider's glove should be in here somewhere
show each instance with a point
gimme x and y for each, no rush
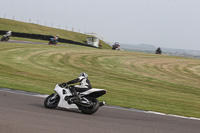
(71, 86)
(63, 84)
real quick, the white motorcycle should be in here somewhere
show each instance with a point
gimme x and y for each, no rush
(88, 103)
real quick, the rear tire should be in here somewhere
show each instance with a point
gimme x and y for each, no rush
(51, 103)
(92, 109)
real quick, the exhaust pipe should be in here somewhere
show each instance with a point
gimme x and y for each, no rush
(102, 103)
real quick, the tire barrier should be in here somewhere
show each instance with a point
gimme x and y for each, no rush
(41, 37)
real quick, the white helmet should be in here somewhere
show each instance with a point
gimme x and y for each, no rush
(84, 75)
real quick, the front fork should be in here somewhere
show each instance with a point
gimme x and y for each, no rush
(55, 95)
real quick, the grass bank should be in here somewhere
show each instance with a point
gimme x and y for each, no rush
(135, 80)
(22, 27)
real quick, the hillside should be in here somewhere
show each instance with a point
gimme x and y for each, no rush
(22, 27)
(133, 80)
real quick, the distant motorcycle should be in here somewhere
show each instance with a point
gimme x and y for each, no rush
(158, 51)
(88, 103)
(116, 47)
(5, 38)
(52, 41)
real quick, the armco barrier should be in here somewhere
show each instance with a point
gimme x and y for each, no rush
(41, 37)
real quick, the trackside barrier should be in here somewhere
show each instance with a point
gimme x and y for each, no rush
(41, 37)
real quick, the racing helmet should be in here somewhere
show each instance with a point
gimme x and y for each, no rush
(84, 75)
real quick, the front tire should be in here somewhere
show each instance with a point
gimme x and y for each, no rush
(2, 39)
(52, 101)
(92, 109)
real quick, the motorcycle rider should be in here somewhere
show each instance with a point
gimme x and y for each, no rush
(84, 85)
(158, 51)
(56, 38)
(116, 46)
(7, 35)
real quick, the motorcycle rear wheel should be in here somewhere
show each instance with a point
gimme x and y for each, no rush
(51, 103)
(92, 109)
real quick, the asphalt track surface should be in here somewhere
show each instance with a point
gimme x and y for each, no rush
(24, 113)
(29, 42)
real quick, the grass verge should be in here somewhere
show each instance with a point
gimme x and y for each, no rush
(134, 80)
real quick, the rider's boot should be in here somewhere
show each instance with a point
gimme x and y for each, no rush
(76, 97)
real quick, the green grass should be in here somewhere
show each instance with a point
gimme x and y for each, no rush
(134, 80)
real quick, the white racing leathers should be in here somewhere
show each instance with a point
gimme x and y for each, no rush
(84, 84)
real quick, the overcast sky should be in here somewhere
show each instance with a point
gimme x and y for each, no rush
(163, 23)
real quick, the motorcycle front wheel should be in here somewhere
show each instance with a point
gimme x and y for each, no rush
(92, 109)
(52, 101)
(2, 39)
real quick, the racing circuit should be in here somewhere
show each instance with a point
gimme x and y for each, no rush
(23, 112)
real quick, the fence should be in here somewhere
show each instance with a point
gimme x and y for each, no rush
(41, 37)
